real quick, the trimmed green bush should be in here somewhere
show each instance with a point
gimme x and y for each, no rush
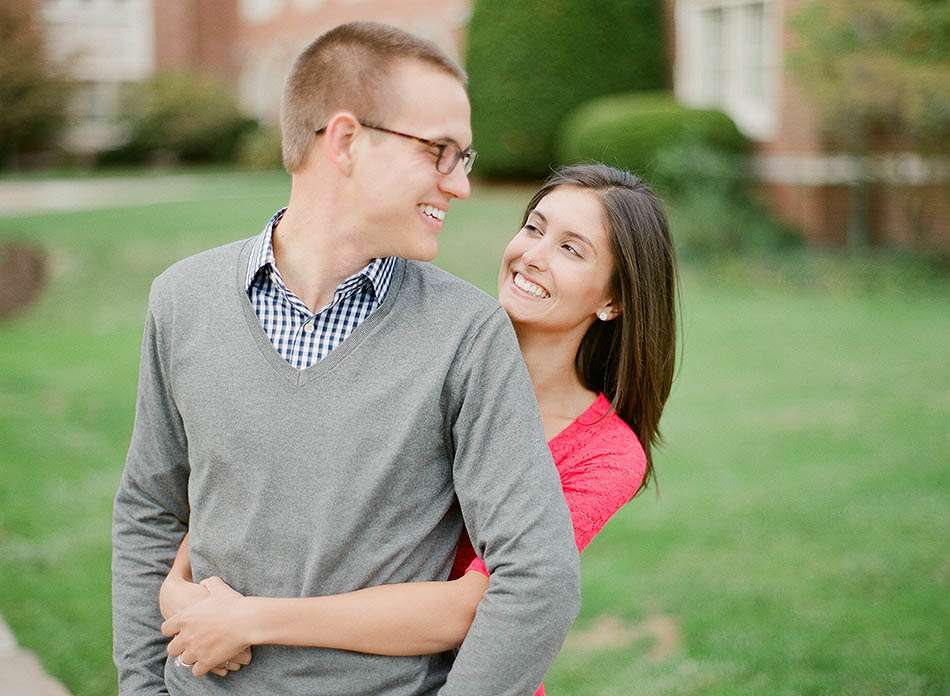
(34, 90)
(694, 159)
(630, 130)
(181, 116)
(533, 61)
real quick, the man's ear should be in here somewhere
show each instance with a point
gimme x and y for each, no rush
(338, 141)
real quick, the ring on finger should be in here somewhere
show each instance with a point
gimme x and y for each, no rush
(182, 663)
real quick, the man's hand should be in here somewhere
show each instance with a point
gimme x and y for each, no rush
(208, 634)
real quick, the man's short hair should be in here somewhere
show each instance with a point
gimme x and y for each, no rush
(348, 68)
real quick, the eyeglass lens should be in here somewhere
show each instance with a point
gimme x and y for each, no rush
(450, 156)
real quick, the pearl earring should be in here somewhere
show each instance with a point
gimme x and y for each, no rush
(602, 315)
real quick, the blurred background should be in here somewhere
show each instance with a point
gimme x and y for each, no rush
(799, 542)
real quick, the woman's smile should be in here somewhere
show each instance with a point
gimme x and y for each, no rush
(529, 287)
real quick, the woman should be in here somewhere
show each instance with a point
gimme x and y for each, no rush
(589, 285)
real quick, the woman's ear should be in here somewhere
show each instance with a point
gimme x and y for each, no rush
(608, 312)
(339, 140)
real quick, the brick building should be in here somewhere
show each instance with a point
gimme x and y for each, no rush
(730, 55)
(106, 44)
(197, 35)
(272, 32)
(726, 54)
(250, 43)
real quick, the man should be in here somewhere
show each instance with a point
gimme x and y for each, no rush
(320, 409)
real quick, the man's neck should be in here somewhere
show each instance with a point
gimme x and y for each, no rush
(316, 247)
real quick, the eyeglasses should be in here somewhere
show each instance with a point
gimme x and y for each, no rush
(448, 153)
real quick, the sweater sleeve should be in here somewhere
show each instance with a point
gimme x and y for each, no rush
(511, 500)
(149, 519)
(594, 489)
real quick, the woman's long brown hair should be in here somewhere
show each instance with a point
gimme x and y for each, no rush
(631, 359)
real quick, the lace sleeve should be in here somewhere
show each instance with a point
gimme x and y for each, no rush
(598, 487)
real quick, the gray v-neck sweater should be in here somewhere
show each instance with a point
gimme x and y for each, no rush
(355, 472)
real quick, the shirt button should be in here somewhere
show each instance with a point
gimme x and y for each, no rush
(308, 327)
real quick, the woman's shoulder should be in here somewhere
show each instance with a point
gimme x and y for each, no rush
(600, 430)
(600, 439)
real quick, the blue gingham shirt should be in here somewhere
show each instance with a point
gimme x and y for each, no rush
(303, 338)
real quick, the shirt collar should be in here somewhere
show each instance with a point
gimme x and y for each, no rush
(378, 272)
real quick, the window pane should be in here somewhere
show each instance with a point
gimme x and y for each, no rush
(756, 75)
(711, 55)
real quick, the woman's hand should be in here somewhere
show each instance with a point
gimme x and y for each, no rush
(177, 594)
(208, 634)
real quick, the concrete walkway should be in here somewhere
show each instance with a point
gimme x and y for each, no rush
(21, 673)
(52, 195)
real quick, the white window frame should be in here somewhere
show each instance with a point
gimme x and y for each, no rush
(756, 116)
(101, 40)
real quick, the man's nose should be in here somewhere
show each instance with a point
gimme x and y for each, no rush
(456, 183)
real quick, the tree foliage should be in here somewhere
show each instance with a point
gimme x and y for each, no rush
(877, 68)
(34, 92)
(879, 72)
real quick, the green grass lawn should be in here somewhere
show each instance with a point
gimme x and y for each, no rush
(800, 543)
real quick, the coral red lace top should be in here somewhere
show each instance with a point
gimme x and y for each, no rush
(601, 464)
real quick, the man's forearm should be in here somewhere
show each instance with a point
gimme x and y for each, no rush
(515, 513)
(518, 630)
(139, 564)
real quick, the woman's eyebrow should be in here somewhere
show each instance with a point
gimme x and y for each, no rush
(582, 238)
(574, 235)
